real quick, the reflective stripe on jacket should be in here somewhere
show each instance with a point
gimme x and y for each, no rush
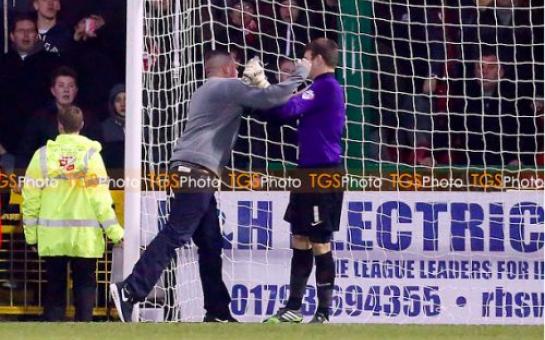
(67, 206)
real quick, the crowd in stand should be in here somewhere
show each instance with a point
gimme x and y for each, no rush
(457, 82)
(61, 53)
(460, 84)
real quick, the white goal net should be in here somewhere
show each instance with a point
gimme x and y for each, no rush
(443, 214)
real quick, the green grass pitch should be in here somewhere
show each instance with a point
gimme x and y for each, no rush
(114, 331)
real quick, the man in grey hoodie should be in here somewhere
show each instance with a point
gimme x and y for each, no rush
(200, 154)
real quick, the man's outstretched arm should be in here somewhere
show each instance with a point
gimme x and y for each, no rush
(273, 95)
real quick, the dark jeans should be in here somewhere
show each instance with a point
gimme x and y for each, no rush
(84, 278)
(193, 216)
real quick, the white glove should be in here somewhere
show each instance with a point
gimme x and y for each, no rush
(303, 64)
(254, 74)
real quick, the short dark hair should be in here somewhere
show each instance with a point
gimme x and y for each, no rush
(63, 71)
(210, 64)
(22, 17)
(327, 48)
(215, 53)
(71, 119)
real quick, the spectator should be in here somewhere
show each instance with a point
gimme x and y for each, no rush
(502, 28)
(107, 38)
(487, 126)
(289, 33)
(7, 161)
(413, 35)
(106, 33)
(411, 58)
(13, 7)
(111, 132)
(55, 35)
(508, 26)
(87, 27)
(43, 124)
(286, 67)
(74, 10)
(91, 60)
(242, 30)
(68, 221)
(23, 80)
(323, 18)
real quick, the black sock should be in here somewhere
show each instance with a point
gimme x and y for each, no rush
(325, 278)
(301, 267)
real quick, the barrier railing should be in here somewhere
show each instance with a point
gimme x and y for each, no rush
(22, 276)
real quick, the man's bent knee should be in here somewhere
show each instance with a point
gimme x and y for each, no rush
(175, 235)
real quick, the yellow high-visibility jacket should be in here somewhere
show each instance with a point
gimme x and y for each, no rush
(67, 206)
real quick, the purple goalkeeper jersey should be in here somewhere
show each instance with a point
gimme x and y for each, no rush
(321, 113)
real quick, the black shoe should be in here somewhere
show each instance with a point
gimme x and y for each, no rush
(209, 317)
(320, 318)
(123, 301)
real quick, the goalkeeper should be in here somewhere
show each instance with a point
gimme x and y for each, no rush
(201, 153)
(314, 216)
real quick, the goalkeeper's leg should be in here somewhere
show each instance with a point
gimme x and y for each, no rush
(301, 267)
(325, 279)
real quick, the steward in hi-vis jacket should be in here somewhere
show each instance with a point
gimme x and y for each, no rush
(67, 209)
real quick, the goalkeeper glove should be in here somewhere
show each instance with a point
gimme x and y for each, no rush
(254, 74)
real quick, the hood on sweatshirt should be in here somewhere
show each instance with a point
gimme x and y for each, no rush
(117, 89)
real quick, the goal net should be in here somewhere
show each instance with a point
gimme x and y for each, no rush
(443, 148)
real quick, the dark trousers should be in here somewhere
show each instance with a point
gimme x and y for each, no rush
(193, 215)
(84, 278)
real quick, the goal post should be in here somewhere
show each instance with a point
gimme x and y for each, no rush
(133, 133)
